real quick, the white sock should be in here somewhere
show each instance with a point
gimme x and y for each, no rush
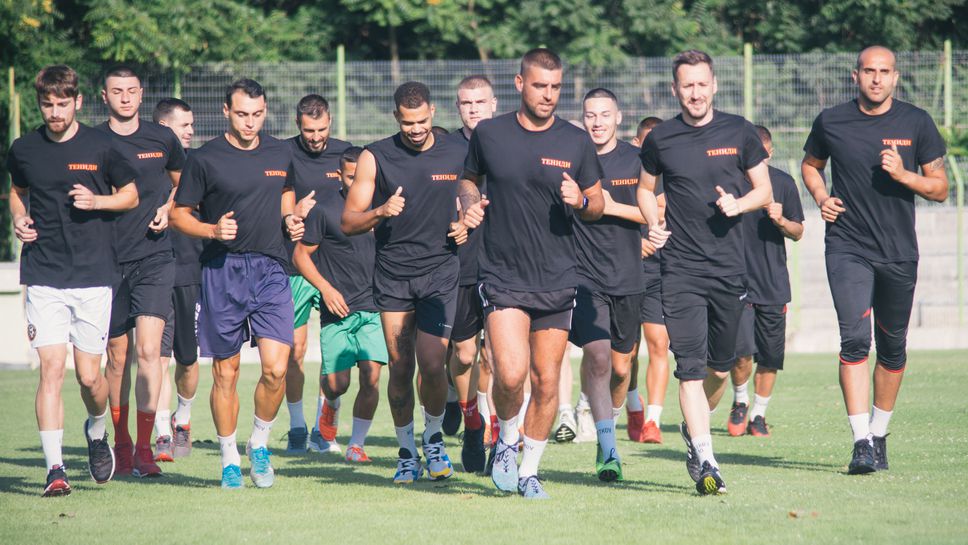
(704, 449)
(634, 401)
(405, 439)
(879, 421)
(759, 406)
(524, 409)
(361, 427)
(296, 417)
(617, 411)
(183, 413)
(451, 393)
(163, 423)
(51, 441)
(582, 402)
(96, 425)
(606, 437)
(230, 451)
(564, 408)
(319, 412)
(423, 412)
(432, 425)
(531, 458)
(741, 393)
(483, 407)
(860, 424)
(509, 430)
(260, 432)
(653, 413)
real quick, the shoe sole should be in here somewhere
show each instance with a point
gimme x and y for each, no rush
(608, 475)
(736, 430)
(861, 470)
(441, 476)
(758, 434)
(263, 482)
(164, 458)
(148, 475)
(709, 487)
(564, 434)
(58, 491)
(505, 482)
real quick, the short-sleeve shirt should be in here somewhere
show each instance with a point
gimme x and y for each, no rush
(416, 242)
(768, 282)
(610, 248)
(692, 162)
(652, 265)
(878, 223)
(153, 150)
(74, 248)
(222, 178)
(317, 172)
(529, 242)
(346, 262)
(469, 252)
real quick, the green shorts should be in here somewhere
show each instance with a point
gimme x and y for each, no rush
(358, 337)
(305, 297)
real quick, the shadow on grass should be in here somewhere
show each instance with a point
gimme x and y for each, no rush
(741, 459)
(344, 474)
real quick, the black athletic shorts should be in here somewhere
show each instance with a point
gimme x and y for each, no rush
(547, 309)
(702, 316)
(762, 332)
(470, 314)
(181, 331)
(599, 316)
(433, 296)
(861, 287)
(651, 311)
(145, 290)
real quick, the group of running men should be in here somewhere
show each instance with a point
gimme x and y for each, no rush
(521, 225)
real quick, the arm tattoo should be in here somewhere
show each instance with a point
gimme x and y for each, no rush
(937, 164)
(469, 193)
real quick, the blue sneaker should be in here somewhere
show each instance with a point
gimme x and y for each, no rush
(530, 488)
(504, 472)
(409, 468)
(438, 463)
(262, 473)
(298, 438)
(232, 477)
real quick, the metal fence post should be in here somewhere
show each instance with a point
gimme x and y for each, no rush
(341, 92)
(748, 81)
(948, 113)
(177, 91)
(959, 234)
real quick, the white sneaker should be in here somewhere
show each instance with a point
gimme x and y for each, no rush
(322, 446)
(567, 428)
(586, 425)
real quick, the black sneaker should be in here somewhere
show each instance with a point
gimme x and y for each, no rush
(452, 418)
(57, 484)
(489, 465)
(472, 455)
(737, 419)
(880, 453)
(758, 427)
(863, 459)
(692, 459)
(710, 481)
(298, 440)
(100, 457)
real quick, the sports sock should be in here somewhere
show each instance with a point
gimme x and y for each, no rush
(533, 450)
(879, 421)
(860, 425)
(183, 413)
(451, 393)
(759, 406)
(564, 408)
(634, 401)
(405, 438)
(52, 441)
(472, 418)
(361, 427)
(319, 411)
(617, 411)
(741, 393)
(606, 437)
(296, 417)
(524, 409)
(146, 425)
(483, 407)
(432, 425)
(653, 413)
(704, 449)
(582, 402)
(509, 431)
(96, 426)
(229, 450)
(260, 432)
(163, 423)
(119, 418)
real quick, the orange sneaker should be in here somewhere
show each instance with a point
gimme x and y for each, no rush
(651, 433)
(355, 453)
(636, 422)
(163, 451)
(328, 422)
(737, 419)
(144, 463)
(123, 458)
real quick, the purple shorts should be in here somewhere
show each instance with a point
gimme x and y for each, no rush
(243, 293)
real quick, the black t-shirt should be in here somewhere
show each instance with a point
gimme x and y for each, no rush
(610, 249)
(692, 162)
(345, 262)
(222, 178)
(469, 252)
(153, 150)
(652, 265)
(768, 281)
(188, 271)
(314, 172)
(416, 242)
(74, 248)
(529, 242)
(879, 221)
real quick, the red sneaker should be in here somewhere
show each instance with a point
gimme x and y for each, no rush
(57, 484)
(123, 458)
(651, 433)
(737, 419)
(636, 422)
(327, 422)
(144, 463)
(163, 452)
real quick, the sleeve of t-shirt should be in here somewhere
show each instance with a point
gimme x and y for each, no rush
(290, 171)
(650, 155)
(474, 161)
(13, 167)
(590, 170)
(176, 154)
(753, 151)
(930, 143)
(119, 170)
(792, 207)
(816, 144)
(193, 184)
(315, 227)
(659, 186)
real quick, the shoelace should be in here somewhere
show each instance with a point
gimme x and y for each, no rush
(406, 464)
(260, 458)
(533, 485)
(434, 452)
(505, 456)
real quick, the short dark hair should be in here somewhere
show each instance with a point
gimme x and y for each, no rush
(692, 57)
(120, 71)
(411, 95)
(59, 80)
(313, 106)
(350, 155)
(167, 106)
(250, 87)
(474, 81)
(600, 92)
(648, 123)
(764, 133)
(542, 57)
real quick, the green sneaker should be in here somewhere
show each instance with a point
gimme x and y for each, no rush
(608, 469)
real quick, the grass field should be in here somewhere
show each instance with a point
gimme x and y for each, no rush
(790, 488)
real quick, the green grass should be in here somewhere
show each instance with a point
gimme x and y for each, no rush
(790, 488)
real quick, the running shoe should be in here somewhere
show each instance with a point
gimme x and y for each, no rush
(318, 444)
(123, 458)
(298, 439)
(692, 458)
(100, 457)
(232, 477)
(452, 418)
(163, 449)
(758, 427)
(636, 421)
(737, 419)
(504, 467)
(355, 453)
(566, 430)
(182, 440)
(144, 463)
(328, 422)
(531, 489)
(586, 432)
(651, 433)
(862, 460)
(409, 468)
(880, 453)
(608, 469)
(438, 464)
(710, 481)
(261, 473)
(57, 484)
(472, 454)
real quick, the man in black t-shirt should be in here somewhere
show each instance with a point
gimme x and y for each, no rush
(876, 144)
(241, 184)
(142, 300)
(63, 207)
(413, 175)
(762, 329)
(705, 158)
(541, 172)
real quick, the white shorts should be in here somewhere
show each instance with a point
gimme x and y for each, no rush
(80, 316)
